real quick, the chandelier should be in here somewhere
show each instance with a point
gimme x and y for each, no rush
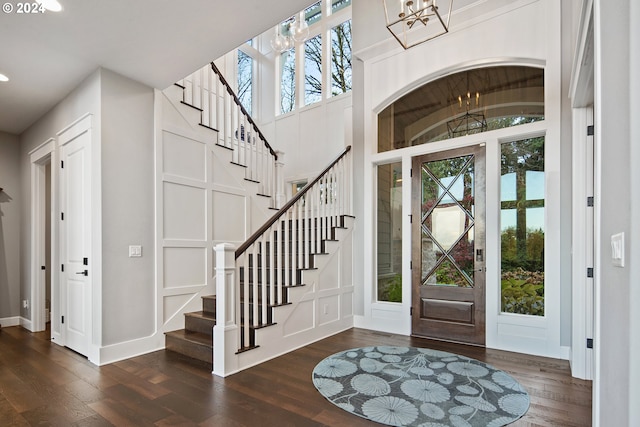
(292, 31)
(408, 20)
(468, 123)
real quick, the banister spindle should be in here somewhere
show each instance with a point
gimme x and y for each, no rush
(245, 301)
(272, 265)
(307, 237)
(286, 250)
(291, 244)
(254, 286)
(282, 264)
(310, 201)
(197, 101)
(228, 125)
(263, 281)
(300, 239)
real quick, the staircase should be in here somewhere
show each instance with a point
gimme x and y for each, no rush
(206, 102)
(196, 339)
(275, 262)
(288, 284)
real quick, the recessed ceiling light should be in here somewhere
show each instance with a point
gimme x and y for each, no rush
(51, 5)
(3, 78)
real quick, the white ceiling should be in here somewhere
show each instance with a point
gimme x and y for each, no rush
(155, 42)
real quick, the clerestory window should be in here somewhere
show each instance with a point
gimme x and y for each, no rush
(318, 67)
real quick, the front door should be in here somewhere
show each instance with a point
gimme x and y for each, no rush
(75, 236)
(448, 250)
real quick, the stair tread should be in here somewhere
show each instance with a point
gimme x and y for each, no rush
(191, 105)
(202, 315)
(208, 127)
(193, 337)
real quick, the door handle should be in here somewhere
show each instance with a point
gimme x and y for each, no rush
(84, 272)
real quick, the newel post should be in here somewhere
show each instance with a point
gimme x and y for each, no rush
(225, 332)
(281, 197)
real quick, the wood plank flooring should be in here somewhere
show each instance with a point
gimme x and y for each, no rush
(44, 384)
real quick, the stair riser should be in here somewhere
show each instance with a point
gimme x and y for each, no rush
(199, 324)
(189, 349)
(209, 306)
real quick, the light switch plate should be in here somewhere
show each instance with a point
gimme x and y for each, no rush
(617, 249)
(135, 251)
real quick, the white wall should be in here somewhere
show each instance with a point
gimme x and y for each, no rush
(82, 100)
(127, 208)
(10, 218)
(616, 139)
(312, 137)
(123, 129)
(634, 238)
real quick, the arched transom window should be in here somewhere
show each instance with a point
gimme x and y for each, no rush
(463, 103)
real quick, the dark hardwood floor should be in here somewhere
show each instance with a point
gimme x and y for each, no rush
(43, 384)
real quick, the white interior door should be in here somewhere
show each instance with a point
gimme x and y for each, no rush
(75, 237)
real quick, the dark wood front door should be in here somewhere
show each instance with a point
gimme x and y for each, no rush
(448, 250)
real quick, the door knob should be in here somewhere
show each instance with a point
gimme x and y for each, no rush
(84, 273)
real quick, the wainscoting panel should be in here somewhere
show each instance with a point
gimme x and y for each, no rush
(173, 305)
(329, 277)
(184, 157)
(229, 215)
(184, 212)
(185, 267)
(300, 320)
(223, 174)
(328, 309)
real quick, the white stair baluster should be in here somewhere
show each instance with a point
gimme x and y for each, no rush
(272, 265)
(255, 286)
(263, 281)
(245, 301)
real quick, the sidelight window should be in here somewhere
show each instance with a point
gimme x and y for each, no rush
(522, 199)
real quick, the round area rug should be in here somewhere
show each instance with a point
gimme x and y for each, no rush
(408, 386)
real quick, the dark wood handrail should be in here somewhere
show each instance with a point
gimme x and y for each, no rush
(255, 236)
(238, 103)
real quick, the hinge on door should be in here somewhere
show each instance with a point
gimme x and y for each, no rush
(590, 130)
(411, 173)
(589, 342)
(410, 311)
(62, 319)
(62, 164)
(42, 267)
(61, 216)
(590, 201)
(62, 267)
(410, 265)
(590, 272)
(410, 218)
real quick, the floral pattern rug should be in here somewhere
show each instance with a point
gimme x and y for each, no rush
(408, 386)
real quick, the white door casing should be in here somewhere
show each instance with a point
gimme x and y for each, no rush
(39, 158)
(75, 236)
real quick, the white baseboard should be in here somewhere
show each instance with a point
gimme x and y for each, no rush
(26, 323)
(126, 350)
(10, 321)
(565, 352)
